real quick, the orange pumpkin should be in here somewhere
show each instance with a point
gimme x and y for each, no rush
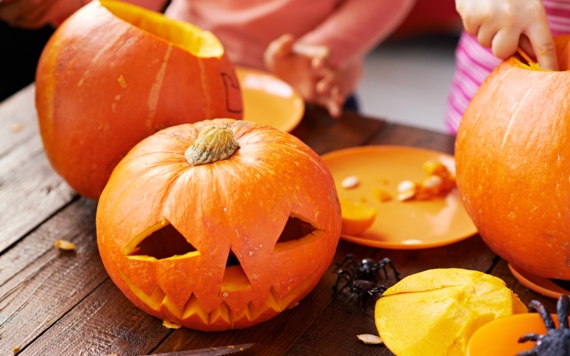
(115, 73)
(513, 164)
(198, 233)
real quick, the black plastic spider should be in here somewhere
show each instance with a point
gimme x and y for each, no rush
(367, 268)
(557, 341)
(363, 288)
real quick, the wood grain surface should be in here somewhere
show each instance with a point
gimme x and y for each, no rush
(63, 303)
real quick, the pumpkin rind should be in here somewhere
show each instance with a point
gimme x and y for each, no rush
(240, 204)
(103, 84)
(513, 166)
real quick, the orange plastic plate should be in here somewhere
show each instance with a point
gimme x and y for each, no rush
(269, 101)
(500, 337)
(399, 225)
(540, 285)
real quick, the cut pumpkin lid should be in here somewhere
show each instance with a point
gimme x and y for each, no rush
(191, 38)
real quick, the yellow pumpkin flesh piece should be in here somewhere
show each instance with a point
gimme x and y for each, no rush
(435, 313)
(356, 217)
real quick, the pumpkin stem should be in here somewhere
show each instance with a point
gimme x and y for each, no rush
(214, 143)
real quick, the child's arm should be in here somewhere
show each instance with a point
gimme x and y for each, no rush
(357, 26)
(325, 64)
(504, 25)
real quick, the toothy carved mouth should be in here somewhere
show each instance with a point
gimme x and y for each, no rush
(274, 304)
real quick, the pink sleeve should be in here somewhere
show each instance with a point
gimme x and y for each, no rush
(357, 26)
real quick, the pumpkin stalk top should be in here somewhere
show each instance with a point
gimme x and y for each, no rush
(214, 143)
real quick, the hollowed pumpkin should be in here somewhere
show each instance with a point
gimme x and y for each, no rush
(214, 243)
(114, 74)
(513, 164)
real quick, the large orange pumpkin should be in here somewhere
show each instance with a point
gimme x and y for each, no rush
(115, 73)
(513, 164)
(211, 239)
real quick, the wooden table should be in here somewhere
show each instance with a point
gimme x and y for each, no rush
(60, 303)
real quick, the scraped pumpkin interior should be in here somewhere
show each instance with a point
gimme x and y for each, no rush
(191, 38)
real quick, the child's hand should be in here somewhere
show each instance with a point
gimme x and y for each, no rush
(503, 25)
(305, 67)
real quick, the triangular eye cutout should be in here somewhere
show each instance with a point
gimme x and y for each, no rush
(296, 232)
(295, 229)
(163, 243)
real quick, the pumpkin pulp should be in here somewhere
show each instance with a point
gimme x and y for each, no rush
(182, 34)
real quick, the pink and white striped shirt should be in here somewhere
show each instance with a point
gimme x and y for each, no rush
(474, 63)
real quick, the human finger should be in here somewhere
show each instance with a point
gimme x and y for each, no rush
(326, 82)
(505, 43)
(284, 46)
(543, 45)
(469, 15)
(485, 35)
(319, 54)
(334, 102)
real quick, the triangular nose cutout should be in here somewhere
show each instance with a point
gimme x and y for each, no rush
(232, 260)
(163, 243)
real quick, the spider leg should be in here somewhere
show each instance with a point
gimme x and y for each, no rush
(535, 305)
(382, 265)
(348, 257)
(528, 337)
(340, 277)
(562, 308)
(346, 285)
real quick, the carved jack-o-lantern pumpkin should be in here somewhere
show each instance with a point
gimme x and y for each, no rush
(218, 225)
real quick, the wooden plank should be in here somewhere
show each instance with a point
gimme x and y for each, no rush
(396, 134)
(325, 134)
(48, 282)
(18, 111)
(30, 191)
(106, 322)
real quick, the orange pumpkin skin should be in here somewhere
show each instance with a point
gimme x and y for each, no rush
(240, 204)
(102, 85)
(513, 166)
